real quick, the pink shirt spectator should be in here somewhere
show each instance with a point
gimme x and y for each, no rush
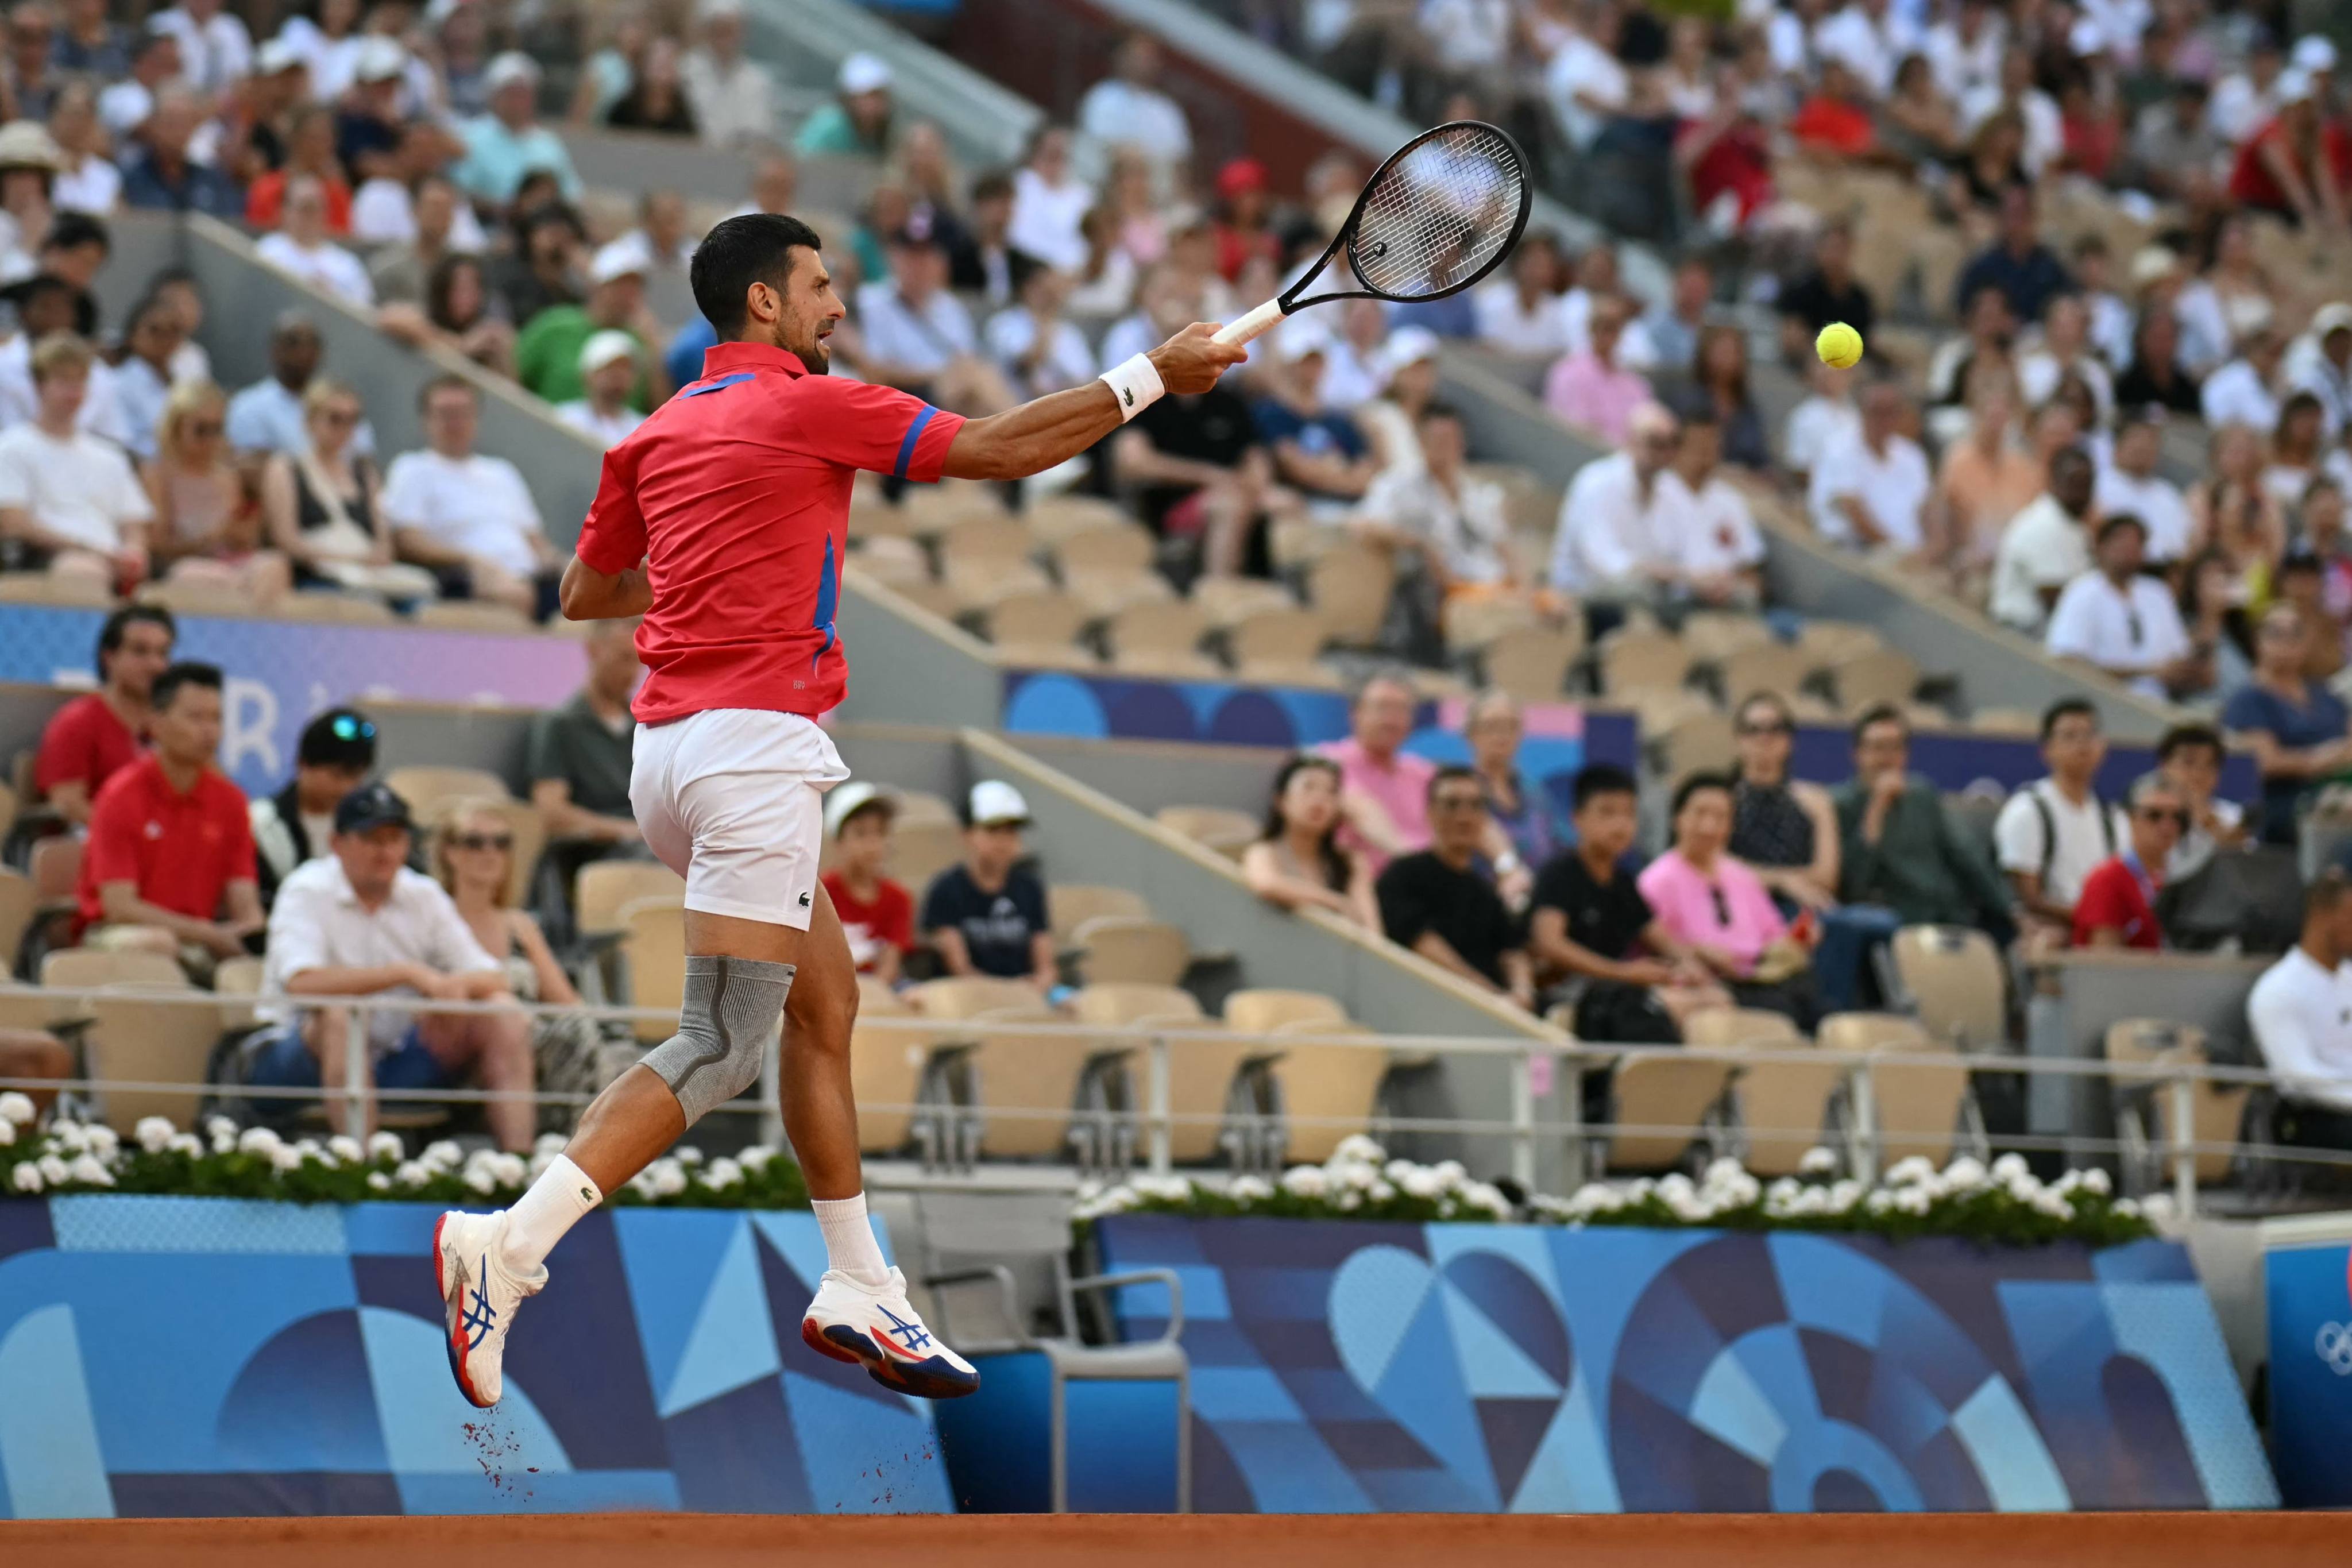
(1401, 787)
(1583, 391)
(1687, 905)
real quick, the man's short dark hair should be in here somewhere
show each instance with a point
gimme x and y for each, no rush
(2181, 736)
(1697, 783)
(187, 672)
(40, 286)
(442, 382)
(1596, 779)
(110, 635)
(2327, 890)
(751, 247)
(1448, 774)
(996, 186)
(2067, 707)
(1881, 713)
(2121, 519)
(72, 230)
(1438, 409)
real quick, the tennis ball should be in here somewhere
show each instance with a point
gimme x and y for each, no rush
(1839, 345)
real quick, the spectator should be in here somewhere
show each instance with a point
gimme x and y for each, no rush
(1527, 830)
(662, 235)
(95, 735)
(1897, 848)
(734, 96)
(2065, 350)
(857, 121)
(309, 151)
(2300, 1013)
(1583, 82)
(1870, 492)
(1835, 126)
(1986, 479)
(1520, 314)
(164, 176)
(508, 143)
(983, 260)
(657, 99)
(142, 381)
(2190, 756)
(1297, 861)
(2232, 509)
(1615, 541)
(321, 505)
(1827, 415)
(2321, 364)
(429, 228)
(2241, 392)
(357, 921)
(1356, 356)
(1436, 902)
(1037, 348)
(2054, 831)
(2173, 142)
(68, 501)
(918, 337)
(303, 250)
(545, 261)
(1049, 200)
(87, 179)
(215, 50)
(1720, 372)
(1128, 109)
(2131, 484)
(987, 916)
(1828, 292)
(206, 527)
(466, 516)
(608, 374)
(2231, 298)
(372, 136)
(333, 756)
(2026, 271)
(878, 915)
(169, 863)
(2046, 546)
(126, 102)
(268, 417)
(2297, 731)
(1782, 827)
(579, 755)
(1591, 390)
(1384, 789)
(1590, 922)
(1316, 449)
(2126, 625)
(548, 349)
(2295, 449)
(1676, 327)
(1983, 347)
(1193, 466)
(1720, 911)
(1392, 421)
(1917, 124)
(2117, 906)
(1719, 554)
(1450, 530)
(2299, 166)
(46, 304)
(89, 44)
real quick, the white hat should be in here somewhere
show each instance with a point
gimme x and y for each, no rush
(994, 804)
(278, 55)
(851, 798)
(603, 348)
(2088, 38)
(381, 59)
(2314, 53)
(624, 257)
(1409, 345)
(862, 72)
(509, 67)
(2152, 263)
(2294, 86)
(1299, 336)
(2331, 318)
(712, 10)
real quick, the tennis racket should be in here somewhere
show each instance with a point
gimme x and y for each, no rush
(1440, 214)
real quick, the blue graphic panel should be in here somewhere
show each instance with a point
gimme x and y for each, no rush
(2310, 1310)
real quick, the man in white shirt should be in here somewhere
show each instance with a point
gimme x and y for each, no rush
(1964, 50)
(2056, 830)
(608, 370)
(2244, 100)
(2045, 546)
(1127, 107)
(2131, 484)
(913, 334)
(2117, 620)
(2190, 756)
(302, 247)
(1868, 40)
(215, 50)
(733, 95)
(1826, 418)
(466, 516)
(1716, 545)
(1615, 539)
(1520, 314)
(2300, 1013)
(68, 501)
(2321, 364)
(1869, 490)
(356, 921)
(1458, 527)
(2065, 348)
(1585, 82)
(2240, 393)
(2045, 128)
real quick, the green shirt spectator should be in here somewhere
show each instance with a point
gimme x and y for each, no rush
(858, 121)
(1897, 847)
(547, 349)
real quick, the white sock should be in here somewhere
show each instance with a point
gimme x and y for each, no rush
(559, 1200)
(850, 1244)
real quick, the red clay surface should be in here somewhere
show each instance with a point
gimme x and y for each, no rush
(585, 1540)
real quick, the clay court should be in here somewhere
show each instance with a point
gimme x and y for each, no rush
(1841, 1541)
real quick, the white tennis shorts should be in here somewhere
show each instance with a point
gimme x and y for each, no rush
(733, 800)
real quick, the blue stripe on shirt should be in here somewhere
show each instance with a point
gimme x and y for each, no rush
(906, 446)
(723, 382)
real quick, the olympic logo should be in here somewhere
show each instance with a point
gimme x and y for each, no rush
(2334, 1343)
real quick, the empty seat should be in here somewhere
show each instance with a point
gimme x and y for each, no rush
(137, 1037)
(922, 805)
(1714, 635)
(1226, 601)
(1532, 662)
(932, 510)
(1171, 628)
(1065, 516)
(984, 539)
(334, 609)
(1329, 1076)
(88, 968)
(1218, 827)
(1105, 591)
(1105, 547)
(41, 588)
(1123, 948)
(428, 789)
(1657, 1106)
(1120, 1003)
(1024, 1083)
(1777, 668)
(976, 584)
(1920, 1105)
(238, 978)
(1286, 672)
(1050, 620)
(2145, 1108)
(1200, 1072)
(1474, 621)
(886, 1068)
(55, 866)
(890, 560)
(475, 616)
(1349, 585)
(1833, 642)
(1070, 905)
(18, 903)
(653, 947)
(960, 996)
(1784, 1107)
(1264, 1010)
(1285, 637)
(1698, 740)
(1953, 978)
(1634, 659)
(877, 519)
(604, 888)
(1880, 675)
(197, 596)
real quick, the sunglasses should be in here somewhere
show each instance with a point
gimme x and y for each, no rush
(1458, 802)
(347, 728)
(203, 429)
(338, 416)
(1722, 905)
(483, 840)
(1772, 729)
(2158, 813)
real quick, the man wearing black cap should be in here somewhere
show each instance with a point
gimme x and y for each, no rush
(357, 921)
(333, 757)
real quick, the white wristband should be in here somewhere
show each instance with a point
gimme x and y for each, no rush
(1136, 381)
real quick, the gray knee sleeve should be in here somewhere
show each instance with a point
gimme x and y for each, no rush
(732, 1007)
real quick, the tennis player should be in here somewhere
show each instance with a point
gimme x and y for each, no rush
(722, 520)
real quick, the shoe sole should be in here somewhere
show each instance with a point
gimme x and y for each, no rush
(453, 1338)
(841, 1342)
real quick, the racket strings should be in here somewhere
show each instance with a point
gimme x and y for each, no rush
(1438, 214)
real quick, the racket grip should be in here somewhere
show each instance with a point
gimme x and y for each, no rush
(1244, 328)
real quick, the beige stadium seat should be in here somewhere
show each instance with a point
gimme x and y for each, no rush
(933, 598)
(1783, 1106)
(1633, 659)
(922, 850)
(1701, 740)
(2005, 722)
(1532, 662)
(185, 597)
(653, 949)
(1329, 1074)
(1026, 1085)
(1123, 948)
(137, 1037)
(88, 968)
(978, 539)
(1883, 675)
(1474, 621)
(2218, 1109)
(1105, 591)
(932, 510)
(1218, 827)
(886, 1070)
(1064, 517)
(877, 519)
(18, 903)
(1919, 1105)
(41, 588)
(241, 978)
(475, 616)
(976, 585)
(1265, 1010)
(1172, 629)
(1227, 601)
(1286, 672)
(1954, 980)
(1666, 1098)
(1070, 905)
(1120, 546)
(605, 887)
(1714, 635)
(1291, 636)
(1349, 586)
(1200, 1072)
(1050, 620)
(333, 609)
(1171, 667)
(890, 560)
(55, 866)
(1833, 642)
(10, 802)
(965, 996)
(1774, 667)
(428, 789)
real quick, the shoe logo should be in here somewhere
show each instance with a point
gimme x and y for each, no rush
(915, 1335)
(480, 1316)
(805, 901)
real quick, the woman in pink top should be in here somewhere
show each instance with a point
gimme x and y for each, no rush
(1705, 898)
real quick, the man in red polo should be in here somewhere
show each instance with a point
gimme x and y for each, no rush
(92, 737)
(723, 520)
(2117, 907)
(169, 862)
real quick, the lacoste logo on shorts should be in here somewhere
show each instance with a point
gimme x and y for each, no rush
(805, 901)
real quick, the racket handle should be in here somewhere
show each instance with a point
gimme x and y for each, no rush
(1252, 325)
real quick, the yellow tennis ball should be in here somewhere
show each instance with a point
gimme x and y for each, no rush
(1839, 345)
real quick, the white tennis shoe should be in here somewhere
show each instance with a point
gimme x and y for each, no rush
(478, 1299)
(873, 1327)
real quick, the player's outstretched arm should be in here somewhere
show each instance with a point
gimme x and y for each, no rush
(589, 595)
(1054, 428)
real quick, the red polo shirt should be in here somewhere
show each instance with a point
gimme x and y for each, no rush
(181, 851)
(735, 493)
(2118, 894)
(84, 742)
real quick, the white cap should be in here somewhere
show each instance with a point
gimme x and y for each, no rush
(2314, 52)
(2331, 318)
(2294, 86)
(626, 256)
(1409, 345)
(848, 799)
(603, 348)
(862, 72)
(2088, 38)
(2152, 262)
(276, 55)
(380, 60)
(1299, 336)
(712, 10)
(509, 67)
(994, 802)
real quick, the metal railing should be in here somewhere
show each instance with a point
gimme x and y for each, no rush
(1532, 1064)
